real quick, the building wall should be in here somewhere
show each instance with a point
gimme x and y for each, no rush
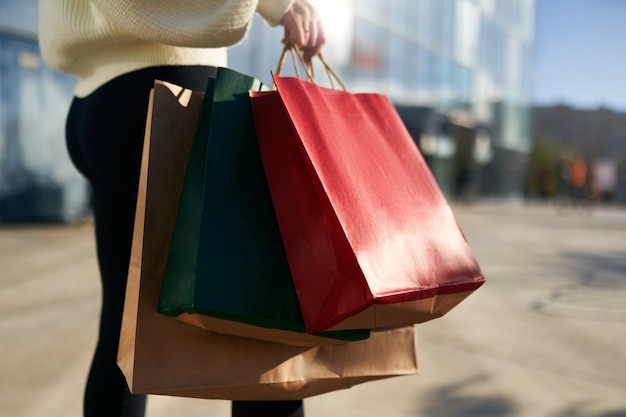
(467, 61)
(37, 180)
(458, 71)
(597, 136)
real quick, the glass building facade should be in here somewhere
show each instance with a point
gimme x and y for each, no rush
(37, 180)
(457, 70)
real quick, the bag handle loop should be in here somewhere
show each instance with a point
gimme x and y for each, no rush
(296, 56)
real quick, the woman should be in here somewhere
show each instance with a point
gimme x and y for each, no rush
(116, 49)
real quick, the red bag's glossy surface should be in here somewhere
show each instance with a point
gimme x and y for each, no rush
(370, 238)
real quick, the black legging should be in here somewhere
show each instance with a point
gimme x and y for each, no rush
(105, 138)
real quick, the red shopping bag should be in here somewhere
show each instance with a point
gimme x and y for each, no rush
(370, 239)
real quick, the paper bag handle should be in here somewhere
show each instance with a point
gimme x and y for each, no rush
(296, 56)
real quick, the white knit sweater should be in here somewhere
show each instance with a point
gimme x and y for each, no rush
(98, 40)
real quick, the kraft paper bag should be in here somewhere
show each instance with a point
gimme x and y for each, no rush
(227, 269)
(161, 355)
(370, 238)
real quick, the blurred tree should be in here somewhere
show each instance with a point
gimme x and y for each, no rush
(544, 168)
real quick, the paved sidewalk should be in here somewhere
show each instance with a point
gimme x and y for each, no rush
(545, 337)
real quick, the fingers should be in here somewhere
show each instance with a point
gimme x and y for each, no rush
(315, 44)
(304, 23)
(304, 29)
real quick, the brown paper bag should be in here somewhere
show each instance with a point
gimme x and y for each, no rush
(161, 355)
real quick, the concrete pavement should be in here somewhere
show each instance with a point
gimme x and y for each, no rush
(546, 336)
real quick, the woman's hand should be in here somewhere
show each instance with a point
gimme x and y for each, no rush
(303, 28)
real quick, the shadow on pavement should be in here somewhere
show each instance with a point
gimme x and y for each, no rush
(594, 270)
(581, 410)
(451, 402)
(595, 290)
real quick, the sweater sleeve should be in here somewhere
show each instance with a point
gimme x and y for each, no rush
(273, 10)
(190, 23)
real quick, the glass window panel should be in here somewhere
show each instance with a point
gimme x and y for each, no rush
(19, 15)
(488, 6)
(513, 64)
(433, 73)
(413, 17)
(368, 61)
(431, 23)
(444, 73)
(399, 18)
(461, 86)
(467, 32)
(508, 12)
(375, 10)
(35, 101)
(412, 55)
(448, 27)
(492, 52)
(527, 68)
(396, 59)
(424, 80)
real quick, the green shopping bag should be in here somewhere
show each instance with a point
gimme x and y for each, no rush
(227, 269)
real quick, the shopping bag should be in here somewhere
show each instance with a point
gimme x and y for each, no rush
(227, 269)
(370, 238)
(160, 355)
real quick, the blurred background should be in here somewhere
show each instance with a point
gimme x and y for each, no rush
(506, 99)
(520, 111)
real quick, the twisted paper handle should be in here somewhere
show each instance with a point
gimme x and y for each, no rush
(296, 56)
